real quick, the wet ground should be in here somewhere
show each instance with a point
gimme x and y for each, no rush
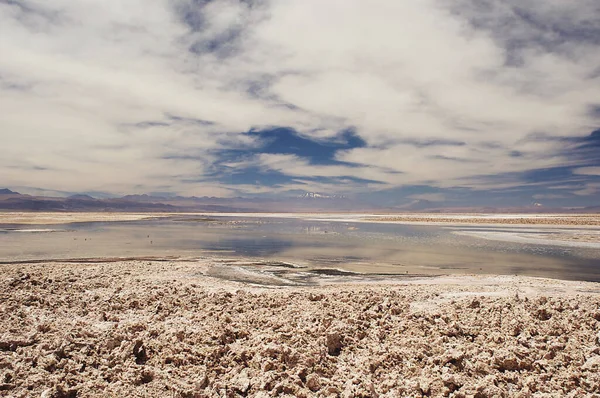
(291, 251)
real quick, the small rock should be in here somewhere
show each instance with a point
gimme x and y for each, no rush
(241, 382)
(334, 343)
(592, 363)
(313, 382)
(315, 297)
(145, 378)
(475, 304)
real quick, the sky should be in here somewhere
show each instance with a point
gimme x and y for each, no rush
(461, 102)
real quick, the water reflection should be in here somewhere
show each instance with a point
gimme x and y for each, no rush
(375, 249)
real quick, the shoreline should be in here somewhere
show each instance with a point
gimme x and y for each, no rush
(474, 219)
(51, 218)
(581, 230)
(156, 328)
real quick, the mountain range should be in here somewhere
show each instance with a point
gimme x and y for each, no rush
(306, 202)
(310, 201)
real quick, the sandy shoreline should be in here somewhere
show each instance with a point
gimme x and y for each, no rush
(149, 328)
(564, 220)
(49, 218)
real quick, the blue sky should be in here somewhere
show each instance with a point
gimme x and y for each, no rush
(458, 102)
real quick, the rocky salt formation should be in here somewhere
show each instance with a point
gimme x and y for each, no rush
(158, 329)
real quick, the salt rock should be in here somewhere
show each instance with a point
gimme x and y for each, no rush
(313, 382)
(592, 363)
(242, 381)
(450, 379)
(453, 355)
(315, 297)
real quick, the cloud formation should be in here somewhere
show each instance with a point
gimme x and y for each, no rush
(157, 95)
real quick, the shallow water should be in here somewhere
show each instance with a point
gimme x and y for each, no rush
(314, 247)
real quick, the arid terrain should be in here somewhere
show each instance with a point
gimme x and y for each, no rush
(28, 218)
(164, 328)
(503, 219)
(577, 220)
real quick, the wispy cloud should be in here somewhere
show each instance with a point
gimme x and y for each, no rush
(161, 95)
(590, 171)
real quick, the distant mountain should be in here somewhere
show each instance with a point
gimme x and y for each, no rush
(6, 191)
(316, 195)
(309, 201)
(141, 198)
(305, 202)
(419, 204)
(69, 204)
(81, 197)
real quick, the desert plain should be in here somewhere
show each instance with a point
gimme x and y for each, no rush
(159, 327)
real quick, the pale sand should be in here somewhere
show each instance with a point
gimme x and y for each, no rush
(63, 218)
(165, 329)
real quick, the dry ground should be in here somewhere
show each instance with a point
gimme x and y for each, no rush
(48, 218)
(163, 329)
(532, 219)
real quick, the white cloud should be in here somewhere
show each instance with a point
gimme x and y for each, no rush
(78, 78)
(589, 189)
(549, 196)
(589, 171)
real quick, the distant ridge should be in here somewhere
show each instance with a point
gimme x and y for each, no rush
(418, 204)
(305, 202)
(81, 197)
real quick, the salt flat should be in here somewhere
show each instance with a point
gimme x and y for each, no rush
(69, 217)
(166, 328)
(213, 327)
(424, 218)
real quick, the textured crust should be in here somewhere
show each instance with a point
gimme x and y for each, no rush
(146, 328)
